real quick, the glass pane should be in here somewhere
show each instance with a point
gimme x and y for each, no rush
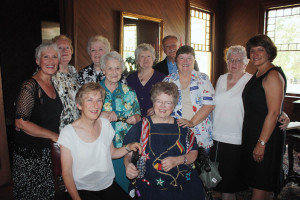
(197, 31)
(279, 13)
(204, 61)
(272, 13)
(287, 29)
(271, 20)
(290, 62)
(287, 11)
(130, 44)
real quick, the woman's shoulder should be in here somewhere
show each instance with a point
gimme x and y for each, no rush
(30, 84)
(159, 74)
(87, 68)
(199, 75)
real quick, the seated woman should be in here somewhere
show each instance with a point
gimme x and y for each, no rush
(87, 149)
(164, 170)
(142, 80)
(121, 107)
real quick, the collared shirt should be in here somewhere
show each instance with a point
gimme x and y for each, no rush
(89, 74)
(201, 93)
(124, 103)
(172, 67)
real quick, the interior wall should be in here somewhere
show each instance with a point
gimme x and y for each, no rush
(242, 20)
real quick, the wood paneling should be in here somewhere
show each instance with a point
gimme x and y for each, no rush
(102, 17)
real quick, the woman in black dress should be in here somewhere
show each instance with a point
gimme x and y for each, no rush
(262, 139)
(38, 110)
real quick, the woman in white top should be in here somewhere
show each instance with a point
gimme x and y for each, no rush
(228, 122)
(87, 150)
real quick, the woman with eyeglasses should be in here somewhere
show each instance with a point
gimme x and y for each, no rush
(228, 123)
(196, 97)
(120, 107)
(164, 170)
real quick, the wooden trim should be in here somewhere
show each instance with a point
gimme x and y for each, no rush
(5, 172)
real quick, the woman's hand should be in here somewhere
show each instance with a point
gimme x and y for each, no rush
(131, 171)
(258, 152)
(150, 112)
(284, 120)
(185, 123)
(134, 146)
(109, 115)
(170, 162)
(133, 119)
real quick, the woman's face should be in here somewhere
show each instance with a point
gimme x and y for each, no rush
(258, 56)
(163, 105)
(185, 63)
(113, 70)
(65, 50)
(48, 61)
(97, 50)
(145, 59)
(235, 64)
(91, 105)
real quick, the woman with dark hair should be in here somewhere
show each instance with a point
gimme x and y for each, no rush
(262, 140)
(196, 97)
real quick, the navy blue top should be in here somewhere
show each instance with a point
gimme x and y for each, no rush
(143, 92)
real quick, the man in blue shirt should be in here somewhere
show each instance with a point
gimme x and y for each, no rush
(168, 65)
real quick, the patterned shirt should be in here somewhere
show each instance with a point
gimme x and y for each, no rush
(201, 93)
(67, 86)
(89, 74)
(124, 103)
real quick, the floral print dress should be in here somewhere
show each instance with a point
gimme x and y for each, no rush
(67, 86)
(201, 93)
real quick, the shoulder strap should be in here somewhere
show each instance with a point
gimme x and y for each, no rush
(191, 140)
(144, 134)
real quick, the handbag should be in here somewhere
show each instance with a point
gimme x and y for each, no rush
(207, 169)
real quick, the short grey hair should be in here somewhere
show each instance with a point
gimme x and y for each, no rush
(238, 49)
(98, 38)
(144, 47)
(44, 46)
(111, 56)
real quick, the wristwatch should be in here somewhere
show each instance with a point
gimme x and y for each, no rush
(261, 142)
(184, 160)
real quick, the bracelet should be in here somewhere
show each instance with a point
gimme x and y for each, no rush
(128, 150)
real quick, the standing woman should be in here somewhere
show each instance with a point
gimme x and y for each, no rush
(97, 46)
(196, 97)
(120, 107)
(142, 80)
(38, 110)
(263, 142)
(65, 81)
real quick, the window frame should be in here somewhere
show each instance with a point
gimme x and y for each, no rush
(264, 8)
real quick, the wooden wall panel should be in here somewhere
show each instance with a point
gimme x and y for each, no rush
(102, 17)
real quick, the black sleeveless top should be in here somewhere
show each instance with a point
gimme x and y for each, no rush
(34, 105)
(266, 175)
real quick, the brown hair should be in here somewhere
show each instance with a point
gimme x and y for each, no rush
(165, 88)
(87, 88)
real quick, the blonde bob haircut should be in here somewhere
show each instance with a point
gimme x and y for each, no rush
(88, 88)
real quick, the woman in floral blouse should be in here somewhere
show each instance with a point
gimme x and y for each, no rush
(121, 107)
(97, 46)
(196, 97)
(65, 81)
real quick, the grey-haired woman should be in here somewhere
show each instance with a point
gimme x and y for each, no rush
(38, 110)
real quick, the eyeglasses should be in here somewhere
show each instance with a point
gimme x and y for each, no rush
(166, 103)
(236, 61)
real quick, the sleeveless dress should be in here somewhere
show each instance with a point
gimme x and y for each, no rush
(268, 174)
(181, 182)
(32, 166)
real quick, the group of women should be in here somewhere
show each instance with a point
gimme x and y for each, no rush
(164, 118)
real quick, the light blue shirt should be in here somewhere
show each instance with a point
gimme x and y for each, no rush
(172, 67)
